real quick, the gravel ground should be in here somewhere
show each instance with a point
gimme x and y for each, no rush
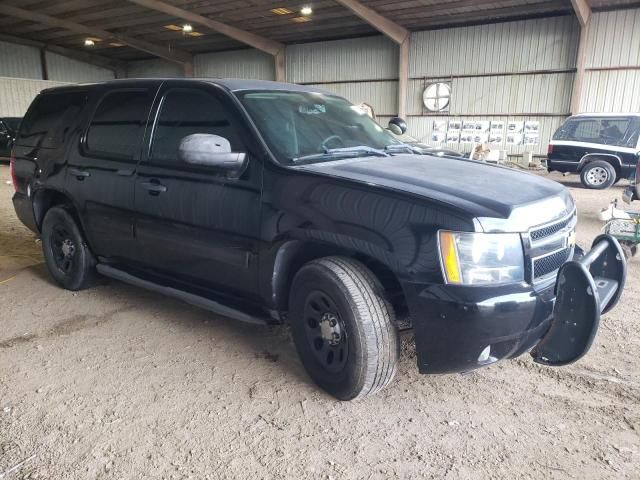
(118, 382)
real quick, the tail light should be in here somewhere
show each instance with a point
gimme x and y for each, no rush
(549, 149)
(12, 169)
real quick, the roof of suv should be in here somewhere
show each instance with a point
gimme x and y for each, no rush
(233, 84)
(595, 114)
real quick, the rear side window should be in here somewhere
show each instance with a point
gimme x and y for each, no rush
(50, 119)
(118, 124)
(615, 131)
(187, 111)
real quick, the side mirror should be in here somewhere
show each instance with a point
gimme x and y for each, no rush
(397, 125)
(211, 151)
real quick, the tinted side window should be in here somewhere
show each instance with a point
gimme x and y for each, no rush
(118, 124)
(606, 131)
(184, 112)
(50, 119)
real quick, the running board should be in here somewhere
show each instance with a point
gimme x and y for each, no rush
(190, 298)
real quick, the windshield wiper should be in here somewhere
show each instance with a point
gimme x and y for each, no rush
(398, 148)
(345, 152)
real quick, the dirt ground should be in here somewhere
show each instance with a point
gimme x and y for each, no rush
(118, 382)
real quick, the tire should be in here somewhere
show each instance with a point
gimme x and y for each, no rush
(343, 327)
(598, 175)
(68, 258)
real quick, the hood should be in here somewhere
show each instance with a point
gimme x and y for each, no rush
(502, 199)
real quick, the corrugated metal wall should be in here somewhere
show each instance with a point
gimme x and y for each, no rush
(64, 69)
(16, 94)
(612, 81)
(235, 64)
(154, 68)
(520, 71)
(19, 61)
(362, 70)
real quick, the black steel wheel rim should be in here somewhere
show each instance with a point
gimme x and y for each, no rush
(325, 331)
(63, 248)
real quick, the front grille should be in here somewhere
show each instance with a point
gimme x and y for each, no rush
(549, 230)
(545, 265)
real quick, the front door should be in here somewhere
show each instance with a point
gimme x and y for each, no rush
(195, 224)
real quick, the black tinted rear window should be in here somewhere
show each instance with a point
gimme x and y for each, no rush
(615, 131)
(118, 124)
(50, 119)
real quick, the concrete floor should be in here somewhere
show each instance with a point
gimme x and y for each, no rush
(118, 382)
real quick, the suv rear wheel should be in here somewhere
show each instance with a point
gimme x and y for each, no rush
(68, 258)
(598, 175)
(343, 327)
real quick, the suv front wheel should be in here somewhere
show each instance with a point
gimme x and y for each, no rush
(68, 258)
(598, 175)
(343, 327)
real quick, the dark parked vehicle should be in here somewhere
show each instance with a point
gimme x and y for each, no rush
(602, 148)
(269, 202)
(8, 130)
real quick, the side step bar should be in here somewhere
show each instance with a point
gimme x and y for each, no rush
(190, 298)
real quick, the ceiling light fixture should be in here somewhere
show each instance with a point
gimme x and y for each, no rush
(186, 28)
(300, 19)
(89, 43)
(306, 10)
(281, 11)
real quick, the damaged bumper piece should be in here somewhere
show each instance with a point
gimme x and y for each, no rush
(461, 328)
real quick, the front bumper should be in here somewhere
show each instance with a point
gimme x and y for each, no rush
(461, 328)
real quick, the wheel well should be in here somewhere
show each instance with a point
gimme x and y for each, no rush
(610, 160)
(43, 200)
(295, 258)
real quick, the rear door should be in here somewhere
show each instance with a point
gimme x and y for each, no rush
(100, 171)
(195, 224)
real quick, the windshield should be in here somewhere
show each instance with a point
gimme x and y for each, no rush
(302, 128)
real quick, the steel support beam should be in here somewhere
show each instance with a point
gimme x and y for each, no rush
(583, 12)
(395, 32)
(170, 54)
(276, 49)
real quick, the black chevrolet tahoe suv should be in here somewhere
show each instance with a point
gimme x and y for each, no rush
(269, 202)
(602, 148)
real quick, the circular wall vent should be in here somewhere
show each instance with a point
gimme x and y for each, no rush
(436, 97)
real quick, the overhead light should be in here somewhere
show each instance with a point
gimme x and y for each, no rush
(281, 11)
(115, 44)
(174, 28)
(195, 34)
(300, 19)
(89, 43)
(187, 28)
(306, 10)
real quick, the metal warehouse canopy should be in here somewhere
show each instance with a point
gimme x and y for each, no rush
(135, 29)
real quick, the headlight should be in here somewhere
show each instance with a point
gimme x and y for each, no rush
(481, 258)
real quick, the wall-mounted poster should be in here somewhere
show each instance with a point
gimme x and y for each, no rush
(497, 126)
(438, 137)
(496, 138)
(468, 125)
(531, 139)
(480, 137)
(440, 125)
(467, 137)
(515, 127)
(455, 125)
(532, 127)
(514, 138)
(453, 136)
(483, 126)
